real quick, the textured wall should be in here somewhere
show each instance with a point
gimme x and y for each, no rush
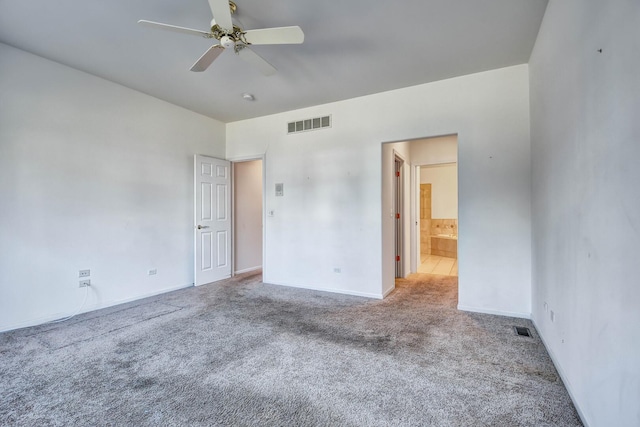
(92, 176)
(332, 214)
(585, 138)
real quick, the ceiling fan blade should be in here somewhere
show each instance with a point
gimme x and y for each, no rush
(256, 60)
(280, 35)
(174, 28)
(207, 58)
(221, 14)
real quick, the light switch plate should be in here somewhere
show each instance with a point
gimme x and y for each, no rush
(279, 190)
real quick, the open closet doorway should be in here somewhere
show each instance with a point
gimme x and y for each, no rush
(247, 216)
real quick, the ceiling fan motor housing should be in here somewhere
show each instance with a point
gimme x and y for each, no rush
(227, 42)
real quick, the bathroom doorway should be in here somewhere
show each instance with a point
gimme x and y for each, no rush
(436, 208)
(439, 219)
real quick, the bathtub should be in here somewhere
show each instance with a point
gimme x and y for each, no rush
(445, 245)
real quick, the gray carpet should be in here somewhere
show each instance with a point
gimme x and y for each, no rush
(244, 353)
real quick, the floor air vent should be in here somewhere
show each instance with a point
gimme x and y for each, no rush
(522, 331)
(309, 124)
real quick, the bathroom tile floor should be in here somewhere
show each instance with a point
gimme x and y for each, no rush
(434, 264)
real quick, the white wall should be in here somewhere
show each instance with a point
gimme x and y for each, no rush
(247, 207)
(585, 132)
(92, 176)
(433, 151)
(331, 214)
(444, 189)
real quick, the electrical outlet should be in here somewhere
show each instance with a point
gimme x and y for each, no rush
(84, 273)
(153, 272)
(84, 283)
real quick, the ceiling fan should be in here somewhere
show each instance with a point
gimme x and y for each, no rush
(233, 37)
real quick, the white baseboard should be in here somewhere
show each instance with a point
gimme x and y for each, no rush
(496, 312)
(388, 291)
(332, 290)
(564, 378)
(61, 315)
(247, 270)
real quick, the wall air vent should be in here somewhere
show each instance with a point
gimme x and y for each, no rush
(309, 124)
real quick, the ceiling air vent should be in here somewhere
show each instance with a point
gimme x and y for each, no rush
(309, 124)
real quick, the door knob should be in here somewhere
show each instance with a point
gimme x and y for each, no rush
(200, 227)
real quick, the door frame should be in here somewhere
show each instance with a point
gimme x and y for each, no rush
(240, 159)
(398, 200)
(388, 285)
(415, 218)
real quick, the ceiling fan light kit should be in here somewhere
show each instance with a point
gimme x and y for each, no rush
(233, 37)
(227, 42)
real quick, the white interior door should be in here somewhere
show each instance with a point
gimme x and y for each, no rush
(212, 219)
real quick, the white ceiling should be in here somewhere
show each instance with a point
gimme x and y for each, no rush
(351, 48)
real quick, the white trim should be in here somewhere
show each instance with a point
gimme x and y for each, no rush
(563, 377)
(400, 209)
(332, 290)
(414, 207)
(247, 270)
(496, 312)
(232, 172)
(264, 214)
(240, 159)
(388, 291)
(95, 307)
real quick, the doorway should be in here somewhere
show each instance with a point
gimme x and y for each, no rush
(247, 216)
(438, 231)
(401, 236)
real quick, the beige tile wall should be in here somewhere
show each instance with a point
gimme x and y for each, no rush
(444, 226)
(425, 218)
(444, 246)
(430, 228)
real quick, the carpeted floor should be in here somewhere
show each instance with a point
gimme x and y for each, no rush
(240, 352)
